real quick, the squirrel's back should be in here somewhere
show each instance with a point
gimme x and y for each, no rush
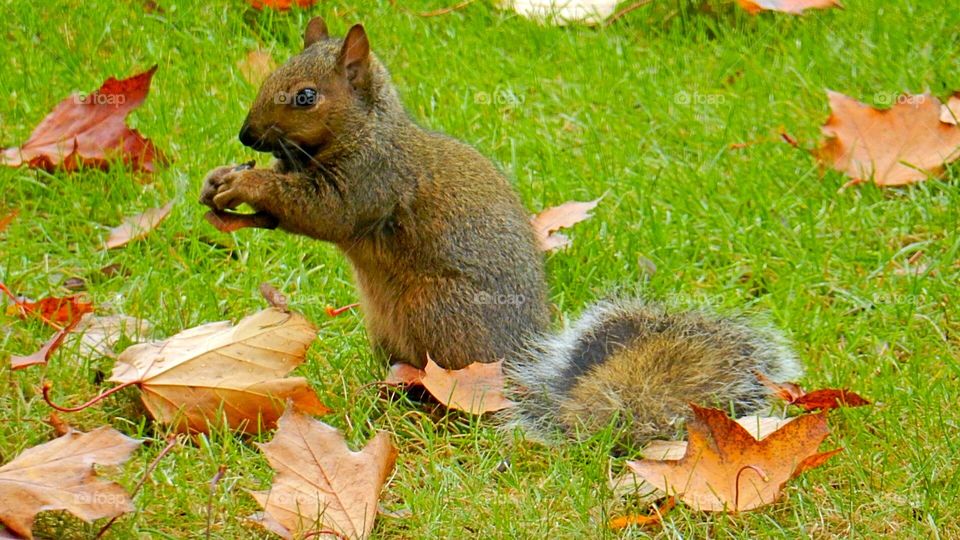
(637, 365)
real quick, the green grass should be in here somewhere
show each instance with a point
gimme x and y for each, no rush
(643, 111)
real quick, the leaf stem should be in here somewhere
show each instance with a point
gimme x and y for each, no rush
(736, 492)
(47, 386)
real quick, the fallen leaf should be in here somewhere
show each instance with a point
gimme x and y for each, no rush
(628, 483)
(274, 297)
(280, 5)
(98, 335)
(546, 223)
(823, 399)
(726, 469)
(795, 7)
(186, 380)
(892, 147)
(562, 12)
(404, 374)
(138, 226)
(59, 475)
(43, 355)
(321, 485)
(653, 518)
(60, 427)
(52, 310)
(476, 389)
(829, 398)
(256, 67)
(950, 111)
(90, 131)
(7, 218)
(226, 221)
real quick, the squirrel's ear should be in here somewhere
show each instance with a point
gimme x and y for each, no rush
(355, 55)
(316, 31)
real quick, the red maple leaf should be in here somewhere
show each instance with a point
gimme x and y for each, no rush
(90, 131)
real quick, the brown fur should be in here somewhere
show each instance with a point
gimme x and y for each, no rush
(447, 265)
(638, 365)
(442, 249)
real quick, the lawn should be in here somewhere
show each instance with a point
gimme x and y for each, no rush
(643, 112)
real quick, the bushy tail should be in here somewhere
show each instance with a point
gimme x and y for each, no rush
(639, 364)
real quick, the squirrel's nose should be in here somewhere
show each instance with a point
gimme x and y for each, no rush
(248, 137)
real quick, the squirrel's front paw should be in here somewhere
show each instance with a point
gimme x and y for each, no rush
(228, 187)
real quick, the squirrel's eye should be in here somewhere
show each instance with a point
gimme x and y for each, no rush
(306, 97)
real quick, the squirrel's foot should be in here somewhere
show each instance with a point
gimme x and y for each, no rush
(226, 188)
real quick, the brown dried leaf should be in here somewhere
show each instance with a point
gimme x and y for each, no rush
(904, 144)
(43, 355)
(823, 399)
(950, 111)
(321, 485)
(189, 378)
(476, 389)
(628, 483)
(274, 297)
(136, 227)
(795, 7)
(59, 475)
(726, 469)
(829, 398)
(404, 374)
(90, 131)
(256, 66)
(546, 223)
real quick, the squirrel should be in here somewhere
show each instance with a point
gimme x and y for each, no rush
(447, 264)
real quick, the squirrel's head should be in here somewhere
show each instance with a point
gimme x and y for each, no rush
(314, 99)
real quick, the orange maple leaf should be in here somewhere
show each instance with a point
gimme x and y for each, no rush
(726, 469)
